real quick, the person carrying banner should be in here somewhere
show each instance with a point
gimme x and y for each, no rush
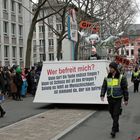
(115, 84)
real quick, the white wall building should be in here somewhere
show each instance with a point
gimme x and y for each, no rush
(50, 42)
(14, 27)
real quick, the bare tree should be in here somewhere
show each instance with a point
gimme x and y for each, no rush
(113, 15)
(36, 18)
(61, 16)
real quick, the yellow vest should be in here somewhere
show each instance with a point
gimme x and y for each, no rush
(114, 89)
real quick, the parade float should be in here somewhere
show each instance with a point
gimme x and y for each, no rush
(77, 81)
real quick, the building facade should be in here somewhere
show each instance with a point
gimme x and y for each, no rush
(50, 43)
(45, 41)
(15, 22)
(131, 49)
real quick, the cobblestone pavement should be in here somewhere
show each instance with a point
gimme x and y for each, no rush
(49, 125)
(45, 126)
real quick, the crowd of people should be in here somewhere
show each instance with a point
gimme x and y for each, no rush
(17, 82)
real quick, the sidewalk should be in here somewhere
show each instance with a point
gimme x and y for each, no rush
(49, 125)
(45, 126)
(98, 126)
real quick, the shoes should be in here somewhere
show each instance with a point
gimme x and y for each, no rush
(113, 134)
(3, 113)
(117, 130)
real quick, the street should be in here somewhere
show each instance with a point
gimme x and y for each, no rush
(98, 126)
(70, 121)
(19, 110)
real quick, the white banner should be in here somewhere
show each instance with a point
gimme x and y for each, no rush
(71, 82)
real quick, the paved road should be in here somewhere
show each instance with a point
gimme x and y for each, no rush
(19, 110)
(54, 122)
(98, 126)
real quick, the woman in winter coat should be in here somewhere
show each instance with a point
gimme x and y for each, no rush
(13, 87)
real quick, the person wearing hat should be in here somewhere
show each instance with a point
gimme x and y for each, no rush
(116, 87)
(135, 78)
(18, 81)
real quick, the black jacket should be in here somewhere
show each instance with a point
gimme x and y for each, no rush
(123, 84)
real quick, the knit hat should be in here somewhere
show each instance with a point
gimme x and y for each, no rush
(18, 70)
(114, 65)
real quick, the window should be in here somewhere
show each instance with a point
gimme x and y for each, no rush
(19, 8)
(5, 4)
(41, 42)
(6, 51)
(58, 27)
(20, 30)
(41, 29)
(127, 52)
(13, 28)
(132, 52)
(51, 43)
(21, 52)
(14, 51)
(12, 5)
(122, 51)
(51, 56)
(5, 27)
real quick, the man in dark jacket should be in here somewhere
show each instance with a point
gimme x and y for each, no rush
(135, 78)
(116, 87)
